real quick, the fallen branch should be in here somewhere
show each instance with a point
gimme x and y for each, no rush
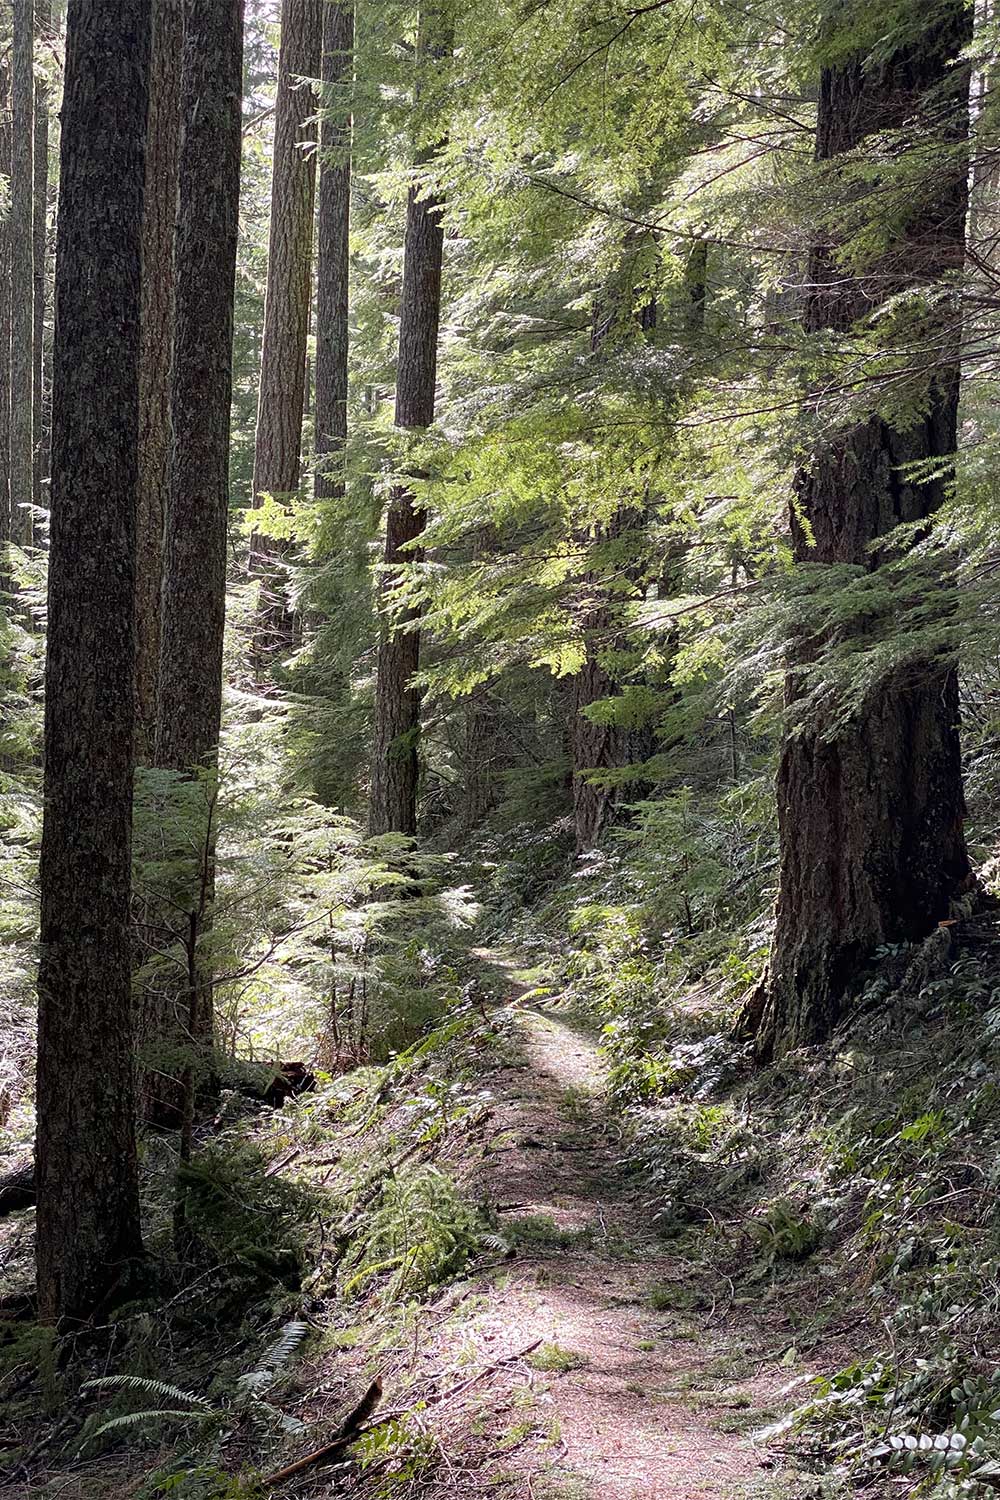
(350, 1430)
(357, 1423)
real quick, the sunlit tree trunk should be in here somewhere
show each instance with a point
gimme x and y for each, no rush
(871, 814)
(278, 443)
(88, 1232)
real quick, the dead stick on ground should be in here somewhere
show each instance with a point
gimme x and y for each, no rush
(357, 1423)
(349, 1431)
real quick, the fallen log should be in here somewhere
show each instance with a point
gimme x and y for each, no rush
(17, 1187)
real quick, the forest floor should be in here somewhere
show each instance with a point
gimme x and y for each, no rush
(588, 1358)
(612, 1368)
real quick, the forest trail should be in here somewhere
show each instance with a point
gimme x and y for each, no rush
(653, 1384)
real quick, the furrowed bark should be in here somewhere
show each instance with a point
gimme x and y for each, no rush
(333, 261)
(22, 272)
(278, 443)
(88, 1233)
(40, 219)
(194, 582)
(5, 311)
(395, 760)
(159, 218)
(871, 815)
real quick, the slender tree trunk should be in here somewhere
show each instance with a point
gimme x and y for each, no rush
(194, 582)
(870, 815)
(278, 443)
(159, 216)
(43, 21)
(88, 1233)
(395, 763)
(333, 262)
(5, 319)
(22, 277)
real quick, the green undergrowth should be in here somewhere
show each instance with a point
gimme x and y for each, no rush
(846, 1194)
(314, 1237)
(844, 1199)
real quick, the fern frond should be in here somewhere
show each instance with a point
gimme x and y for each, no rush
(148, 1387)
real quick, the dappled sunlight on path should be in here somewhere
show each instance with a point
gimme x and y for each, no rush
(652, 1390)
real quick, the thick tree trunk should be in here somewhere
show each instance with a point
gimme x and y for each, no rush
(159, 216)
(277, 463)
(43, 21)
(395, 761)
(870, 816)
(194, 583)
(22, 272)
(88, 1233)
(333, 264)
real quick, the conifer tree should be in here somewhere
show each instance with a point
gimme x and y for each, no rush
(40, 213)
(5, 307)
(194, 581)
(332, 262)
(160, 214)
(277, 463)
(395, 765)
(88, 1231)
(22, 271)
(871, 812)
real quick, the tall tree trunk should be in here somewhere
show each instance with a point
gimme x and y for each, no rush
(395, 763)
(159, 216)
(194, 582)
(333, 262)
(277, 463)
(88, 1233)
(43, 21)
(22, 274)
(5, 319)
(870, 815)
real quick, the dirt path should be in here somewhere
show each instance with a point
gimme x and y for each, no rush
(644, 1383)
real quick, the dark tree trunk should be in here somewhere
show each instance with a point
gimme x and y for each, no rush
(22, 272)
(43, 21)
(5, 311)
(870, 816)
(88, 1233)
(333, 265)
(194, 582)
(277, 463)
(160, 214)
(395, 761)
